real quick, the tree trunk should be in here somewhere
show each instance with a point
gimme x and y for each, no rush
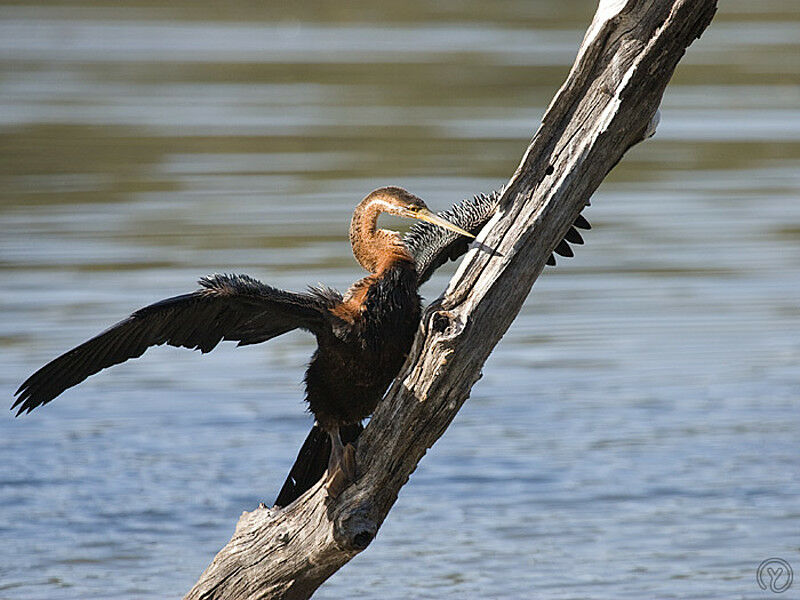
(608, 103)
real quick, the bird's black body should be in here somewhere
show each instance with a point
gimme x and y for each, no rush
(370, 351)
(363, 337)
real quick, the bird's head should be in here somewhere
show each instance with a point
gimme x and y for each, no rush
(400, 202)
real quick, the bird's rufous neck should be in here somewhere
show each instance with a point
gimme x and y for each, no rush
(375, 249)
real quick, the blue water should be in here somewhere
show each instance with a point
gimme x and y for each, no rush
(634, 435)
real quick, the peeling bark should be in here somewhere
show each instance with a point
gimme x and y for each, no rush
(608, 103)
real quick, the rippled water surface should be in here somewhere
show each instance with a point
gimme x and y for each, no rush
(635, 434)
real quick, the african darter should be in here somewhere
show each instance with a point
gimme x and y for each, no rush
(363, 337)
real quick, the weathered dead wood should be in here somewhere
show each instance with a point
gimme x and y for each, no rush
(607, 104)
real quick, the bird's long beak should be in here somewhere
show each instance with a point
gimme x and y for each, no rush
(423, 214)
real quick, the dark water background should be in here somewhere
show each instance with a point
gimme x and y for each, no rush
(635, 434)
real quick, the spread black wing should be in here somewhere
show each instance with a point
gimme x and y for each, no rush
(226, 307)
(432, 246)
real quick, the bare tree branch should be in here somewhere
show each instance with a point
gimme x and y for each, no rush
(608, 103)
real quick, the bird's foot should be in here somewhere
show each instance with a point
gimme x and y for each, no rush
(341, 469)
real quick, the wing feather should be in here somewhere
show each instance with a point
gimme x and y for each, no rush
(431, 246)
(226, 307)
